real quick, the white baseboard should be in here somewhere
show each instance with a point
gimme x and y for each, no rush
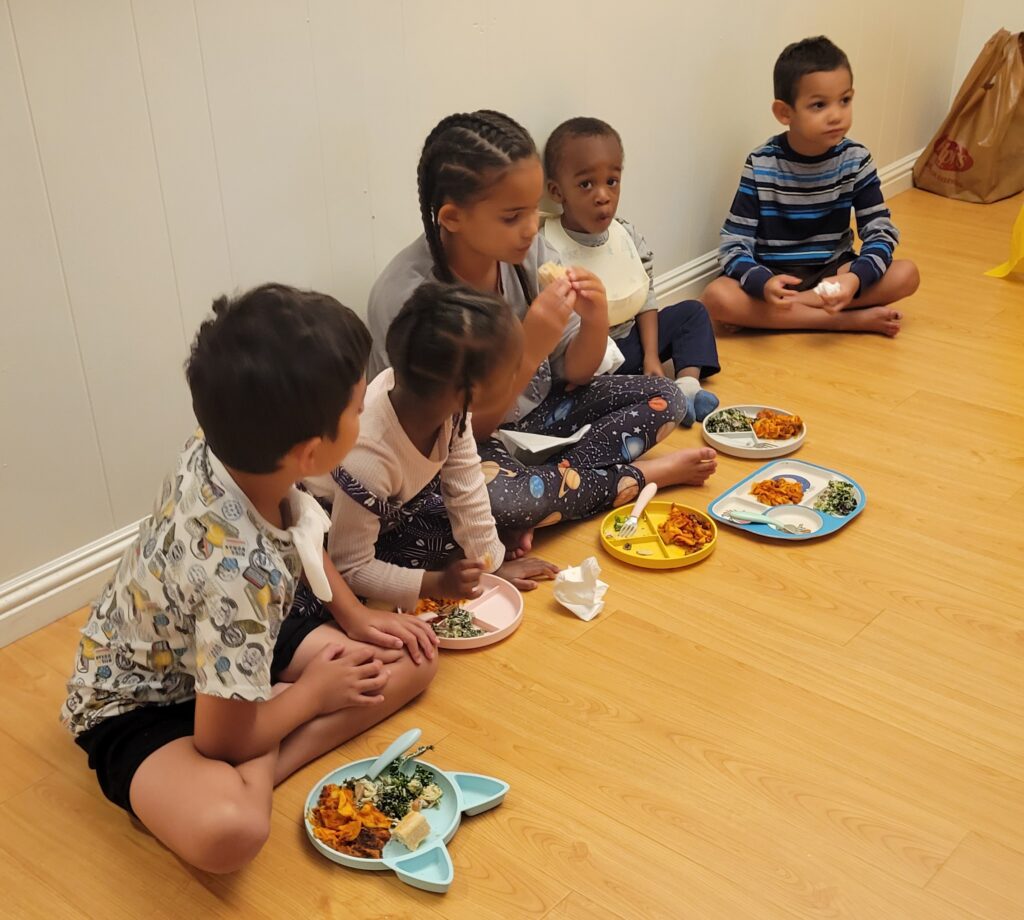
(898, 176)
(685, 282)
(45, 594)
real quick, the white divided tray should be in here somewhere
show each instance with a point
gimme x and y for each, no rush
(498, 611)
(744, 443)
(813, 478)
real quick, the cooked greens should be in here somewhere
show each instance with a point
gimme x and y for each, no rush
(457, 623)
(728, 420)
(839, 498)
(396, 794)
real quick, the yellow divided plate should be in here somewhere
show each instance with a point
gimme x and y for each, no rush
(646, 548)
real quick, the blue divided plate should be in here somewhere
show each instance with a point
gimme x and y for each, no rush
(813, 478)
(429, 867)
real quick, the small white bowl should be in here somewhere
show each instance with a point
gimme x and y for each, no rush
(797, 514)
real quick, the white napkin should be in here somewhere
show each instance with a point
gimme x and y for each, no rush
(311, 523)
(580, 590)
(828, 288)
(533, 449)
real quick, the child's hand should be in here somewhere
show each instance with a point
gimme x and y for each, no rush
(525, 572)
(392, 631)
(459, 581)
(652, 366)
(339, 679)
(849, 284)
(591, 298)
(778, 294)
(547, 317)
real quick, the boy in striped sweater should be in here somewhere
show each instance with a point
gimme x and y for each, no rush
(787, 251)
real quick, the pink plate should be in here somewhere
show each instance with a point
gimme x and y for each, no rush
(498, 609)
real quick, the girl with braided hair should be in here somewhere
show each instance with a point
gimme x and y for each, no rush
(415, 467)
(480, 182)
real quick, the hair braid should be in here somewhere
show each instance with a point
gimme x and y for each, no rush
(447, 335)
(462, 157)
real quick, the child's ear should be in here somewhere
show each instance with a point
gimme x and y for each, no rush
(782, 111)
(554, 192)
(304, 456)
(450, 217)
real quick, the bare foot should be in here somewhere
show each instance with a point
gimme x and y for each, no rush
(517, 543)
(690, 467)
(883, 320)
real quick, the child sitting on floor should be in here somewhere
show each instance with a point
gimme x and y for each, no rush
(415, 467)
(787, 247)
(480, 182)
(583, 161)
(192, 694)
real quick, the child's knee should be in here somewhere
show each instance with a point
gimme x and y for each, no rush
(421, 675)
(909, 277)
(409, 679)
(665, 398)
(690, 311)
(228, 835)
(718, 296)
(509, 506)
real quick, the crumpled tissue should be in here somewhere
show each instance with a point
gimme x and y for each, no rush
(580, 590)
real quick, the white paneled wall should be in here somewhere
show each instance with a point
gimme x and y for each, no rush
(156, 153)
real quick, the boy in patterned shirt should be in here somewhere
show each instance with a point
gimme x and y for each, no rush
(192, 694)
(786, 252)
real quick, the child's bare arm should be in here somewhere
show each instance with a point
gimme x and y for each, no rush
(647, 326)
(584, 354)
(378, 627)
(543, 327)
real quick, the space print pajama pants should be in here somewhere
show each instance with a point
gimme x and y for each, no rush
(628, 416)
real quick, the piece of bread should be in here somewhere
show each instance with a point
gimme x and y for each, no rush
(550, 272)
(411, 831)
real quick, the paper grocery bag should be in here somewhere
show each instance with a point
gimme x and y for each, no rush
(978, 153)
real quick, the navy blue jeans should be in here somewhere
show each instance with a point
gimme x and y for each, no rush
(684, 334)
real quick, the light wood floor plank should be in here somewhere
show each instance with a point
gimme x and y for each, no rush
(984, 877)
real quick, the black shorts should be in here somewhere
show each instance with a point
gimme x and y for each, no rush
(812, 275)
(294, 629)
(118, 745)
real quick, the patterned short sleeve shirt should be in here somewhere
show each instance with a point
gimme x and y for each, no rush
(195, 605)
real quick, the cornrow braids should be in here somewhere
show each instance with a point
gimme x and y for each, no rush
(448, 334)
(462, 157)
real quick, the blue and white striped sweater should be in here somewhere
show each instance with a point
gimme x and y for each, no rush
(791, 210)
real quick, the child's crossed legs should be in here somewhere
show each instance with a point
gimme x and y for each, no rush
(728, 303)
(215, 815)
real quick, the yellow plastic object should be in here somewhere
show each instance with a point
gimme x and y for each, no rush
(646, 548)
(1016, 261)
